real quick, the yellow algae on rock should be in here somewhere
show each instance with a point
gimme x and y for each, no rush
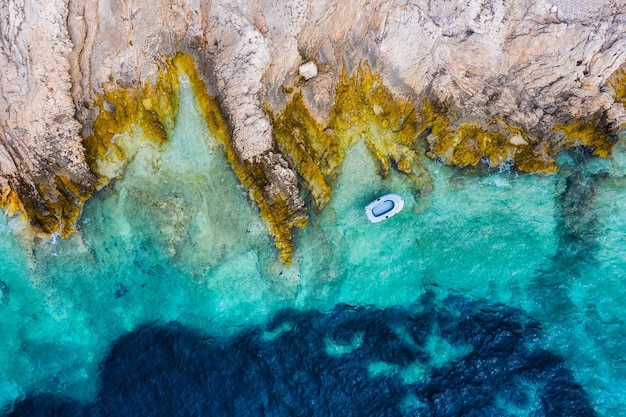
(537, 159)
(618, 82)
(586, 134)
(308, 148)
(469, 144)
(53, 206)
(277, 209)
(10, 201)
(148, 109)
(59, 210)
(21, 224)
(257, 175)
(365, 109)
(185, 64)
(466, 144)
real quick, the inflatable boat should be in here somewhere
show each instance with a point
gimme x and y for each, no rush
(384, 207)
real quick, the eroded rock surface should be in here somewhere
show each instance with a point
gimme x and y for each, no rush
(42, 164)
(528, 76)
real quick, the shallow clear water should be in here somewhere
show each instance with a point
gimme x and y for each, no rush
(177, 239)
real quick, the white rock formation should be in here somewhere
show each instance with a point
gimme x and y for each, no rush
(308, 70)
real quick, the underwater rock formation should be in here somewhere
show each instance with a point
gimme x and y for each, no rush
(455, 357)
(481, 83)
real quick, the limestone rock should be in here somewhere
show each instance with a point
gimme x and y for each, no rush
(518, 140)
(41, 157)
(308, 70)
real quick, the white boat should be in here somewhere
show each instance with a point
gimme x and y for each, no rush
(384, 207)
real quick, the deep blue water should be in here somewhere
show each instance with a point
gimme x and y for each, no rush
(345, 362)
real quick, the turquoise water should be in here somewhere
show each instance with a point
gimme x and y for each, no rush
(177, 238)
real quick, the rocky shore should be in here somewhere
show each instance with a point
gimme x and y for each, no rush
(479, 83)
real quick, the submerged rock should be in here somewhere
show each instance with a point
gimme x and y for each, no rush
(4, 292)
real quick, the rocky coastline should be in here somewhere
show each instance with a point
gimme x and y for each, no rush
(471, 84)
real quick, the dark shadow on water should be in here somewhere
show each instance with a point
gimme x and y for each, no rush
(288, 367)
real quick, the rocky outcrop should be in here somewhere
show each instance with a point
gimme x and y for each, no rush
(490, 83)
(42, 164)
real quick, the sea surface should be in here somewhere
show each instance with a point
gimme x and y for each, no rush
(498, 294)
